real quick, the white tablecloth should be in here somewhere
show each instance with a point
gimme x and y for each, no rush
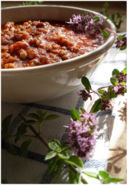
(33, 169)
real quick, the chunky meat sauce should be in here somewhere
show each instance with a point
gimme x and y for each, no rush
(35, 43)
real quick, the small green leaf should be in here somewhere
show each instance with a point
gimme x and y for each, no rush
(11, 149)
(116, 72)
(42, 116)
(105, 33)
(64, 155)
(125, 90)
(54, 145)
(33, 115)
(122, 83)
(74, 178)
(64, 147)
(111, 94)
(29, 122)
(124, 71)
(51, 164)
(75, 115)
(114, 81)
(96, 19)
(110, 89)
(24, 147)
(91, 131)
(122, 47)
(22, 129)
(50, 155)
(51, 117)
(96, 106)
(106, 5)
(3, 5)
(83, 181)
(106, 96)
(120, 37)
(41, 113)
(119, 15)
(5, 126)
(101, 91)
(32, 3)
(75, 161)
(86, 83)
(107, 179)
(113, 17)
(91, 174)
(104, 174)
(114, 180)
(55, 166)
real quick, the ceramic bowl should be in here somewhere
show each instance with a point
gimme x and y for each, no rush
(41, 83)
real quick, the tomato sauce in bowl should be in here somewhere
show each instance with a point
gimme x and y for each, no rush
(34, 43)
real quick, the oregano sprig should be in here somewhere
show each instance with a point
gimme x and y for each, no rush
(29, 3)
(106, 94)
(82, 133)
(116, 18)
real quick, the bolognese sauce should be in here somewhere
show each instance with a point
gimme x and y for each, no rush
(34, 43)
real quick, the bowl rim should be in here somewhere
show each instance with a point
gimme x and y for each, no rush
(47, 66)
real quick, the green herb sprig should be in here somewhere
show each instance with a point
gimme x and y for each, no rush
(107, 93)
(59, 154)
(116, 18)
(29, 3)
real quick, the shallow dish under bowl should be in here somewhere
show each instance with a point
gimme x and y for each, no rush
(40, 83)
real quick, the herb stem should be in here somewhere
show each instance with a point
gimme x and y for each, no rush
(92, 91)
(39, 129)
(75, 171)
(45, 143)
(103, 87)
(70, 167)
(35, 132)
(38, 136)
(110, 31)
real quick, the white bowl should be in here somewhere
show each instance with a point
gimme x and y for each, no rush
(46, 82)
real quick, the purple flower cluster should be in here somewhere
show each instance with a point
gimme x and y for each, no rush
(90, 24)
(120, 88)
(82, 134)
(121, 42)
(106, 105)
(93, 26)
(85, 95)
(122, 77)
